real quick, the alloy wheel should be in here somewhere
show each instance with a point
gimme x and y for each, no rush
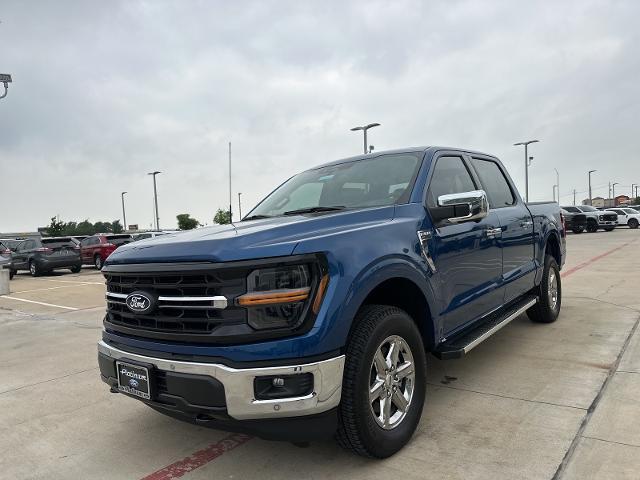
(392, 380)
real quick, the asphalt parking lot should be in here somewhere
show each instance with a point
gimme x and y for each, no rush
(534, 401)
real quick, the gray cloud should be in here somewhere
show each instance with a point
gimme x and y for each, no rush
(105, 92)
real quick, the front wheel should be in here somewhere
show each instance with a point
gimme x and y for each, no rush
(549, 294)
(592, 226)
(76, 269)
(34, 270)
(97, 262)
(384, 383)
(633, 223)
(578, 229)
(609, 229)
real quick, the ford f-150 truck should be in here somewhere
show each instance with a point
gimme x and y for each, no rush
(313, 315)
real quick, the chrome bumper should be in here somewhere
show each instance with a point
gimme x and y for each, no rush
(238, 384)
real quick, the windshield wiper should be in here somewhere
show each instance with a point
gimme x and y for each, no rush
(256, 217)
(314, 210)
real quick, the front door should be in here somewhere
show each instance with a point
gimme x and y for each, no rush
(466, 256)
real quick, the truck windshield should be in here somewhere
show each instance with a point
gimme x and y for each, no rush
(588, 208)
(379, 181)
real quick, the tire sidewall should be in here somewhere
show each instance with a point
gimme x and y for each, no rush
(388, 442)
(97, 262)
(633, 223)
(550, 265)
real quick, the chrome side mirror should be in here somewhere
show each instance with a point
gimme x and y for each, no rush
(466, 206)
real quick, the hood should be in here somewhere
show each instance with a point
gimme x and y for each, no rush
(271, 237)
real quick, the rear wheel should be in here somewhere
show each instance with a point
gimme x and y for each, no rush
(97, 262)
(34, 270)
(592, 226)
(609, 229)
(549, 294)
(633, 223)
(578, 229)
(76, 269)
(384, 383)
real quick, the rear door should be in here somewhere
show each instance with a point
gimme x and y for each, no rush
(516, 223)
(467, 258)
(623, 218)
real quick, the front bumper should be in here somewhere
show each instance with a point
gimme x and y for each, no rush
(238, 384)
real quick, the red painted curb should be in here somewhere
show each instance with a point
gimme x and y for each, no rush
(199, 458)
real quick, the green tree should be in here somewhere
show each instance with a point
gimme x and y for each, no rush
(222, 217)
(116, 227)
(102, 227)
(55, 228)
(85, 228)
(186, 222)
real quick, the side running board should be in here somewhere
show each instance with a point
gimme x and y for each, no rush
(459, 346)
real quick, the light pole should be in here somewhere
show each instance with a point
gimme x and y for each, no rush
(124, 215)
(239, 206)
(554, 194)
(364, 129)
(526, 166)
(155, 198)
(5, 78)
(590, 200)
(558, 183)
(614, 193)
(230, 214)
(632, 185)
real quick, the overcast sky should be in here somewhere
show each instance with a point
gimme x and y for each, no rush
(105, 92)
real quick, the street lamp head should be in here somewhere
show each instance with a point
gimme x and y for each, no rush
(525, 143)
(153, 173)
(5, 78)
(123, 193)
(591, 171)
(371, 125)
(365, 127)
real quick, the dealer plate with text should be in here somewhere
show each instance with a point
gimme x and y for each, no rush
(134, 380)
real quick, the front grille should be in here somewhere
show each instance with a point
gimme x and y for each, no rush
(184, 306)
(610, 217)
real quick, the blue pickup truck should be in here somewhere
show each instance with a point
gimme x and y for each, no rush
(313, 315)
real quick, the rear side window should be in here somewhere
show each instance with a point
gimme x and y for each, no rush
(118, 239)
(450, 175)
(494, 182)
(58, 242)
(572, 209)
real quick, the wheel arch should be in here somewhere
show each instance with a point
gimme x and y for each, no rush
(400, 285)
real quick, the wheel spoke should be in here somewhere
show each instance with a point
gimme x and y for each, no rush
(394, 352)
(375, 391)
(386, 411)
(399, 400)
(404, 370)
(380, 362)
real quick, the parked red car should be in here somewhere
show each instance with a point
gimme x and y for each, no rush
(96, 249)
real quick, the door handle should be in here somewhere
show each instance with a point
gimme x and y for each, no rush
(493, 232)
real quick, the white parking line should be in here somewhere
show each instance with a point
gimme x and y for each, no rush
(71, 281)
(55, 288)
(38, 303)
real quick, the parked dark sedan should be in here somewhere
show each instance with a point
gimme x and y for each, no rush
(44, 255)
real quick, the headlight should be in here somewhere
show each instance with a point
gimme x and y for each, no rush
(280, 297)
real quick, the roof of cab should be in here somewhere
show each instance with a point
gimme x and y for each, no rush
(423, 150)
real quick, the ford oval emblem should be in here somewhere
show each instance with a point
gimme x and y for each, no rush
(139, 302)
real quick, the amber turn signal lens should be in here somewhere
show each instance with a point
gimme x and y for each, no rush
(317, 302)
(272, 297)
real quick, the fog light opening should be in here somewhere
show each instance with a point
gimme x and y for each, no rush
(274, 387)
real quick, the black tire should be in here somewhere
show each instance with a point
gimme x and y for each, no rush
(545, 311)
(34, 270)
(358, 428)
(97, 262)
(633, 223)
(592, 226)
(578, 229)
(12, 273)
(609, 229)
(76, 269)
